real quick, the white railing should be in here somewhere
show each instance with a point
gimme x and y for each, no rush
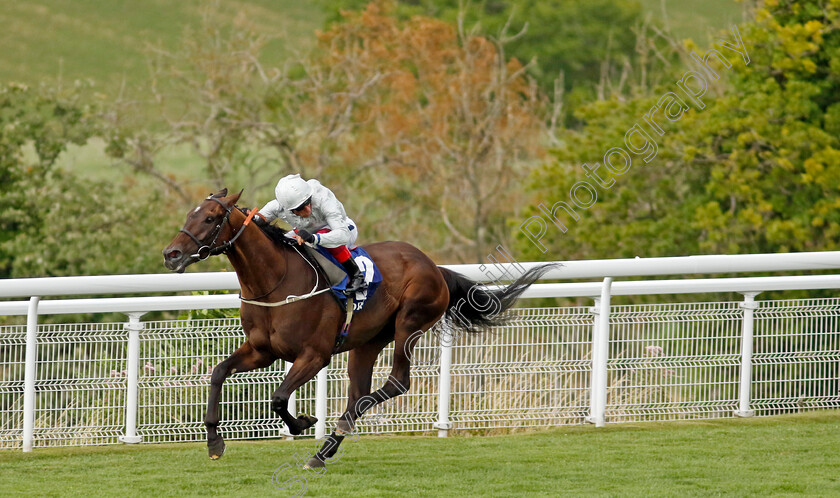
(146, 381)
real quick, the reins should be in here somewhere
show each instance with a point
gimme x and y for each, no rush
(343, 333)
(291, 298)
(206, 250)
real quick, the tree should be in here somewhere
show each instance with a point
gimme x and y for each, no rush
(430, 119)
(208, 95)
(92, 228)
(774, 150)
(36, 125)
(756, 170)
(53, 223)
(400, 118)
(564, 36)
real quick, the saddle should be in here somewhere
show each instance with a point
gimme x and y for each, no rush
(325, 269)
(333, 273)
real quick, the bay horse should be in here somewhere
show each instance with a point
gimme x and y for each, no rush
(413, 295)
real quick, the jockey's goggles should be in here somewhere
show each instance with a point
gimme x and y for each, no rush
(303, 205)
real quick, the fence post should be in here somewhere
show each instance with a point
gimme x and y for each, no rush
(600, 353)
(321, 404)
(443, 425)
(594, 372)
(29, 372)
(134, 326)
(747, 331)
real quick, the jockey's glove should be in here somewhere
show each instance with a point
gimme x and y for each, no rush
(307, 237)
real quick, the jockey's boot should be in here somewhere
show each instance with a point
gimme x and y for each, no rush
(357, 278)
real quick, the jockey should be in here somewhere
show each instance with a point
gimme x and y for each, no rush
(317, 218)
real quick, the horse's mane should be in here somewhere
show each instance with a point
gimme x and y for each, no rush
(275, 233)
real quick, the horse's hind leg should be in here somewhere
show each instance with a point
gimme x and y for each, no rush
(400, 378)
(360, 401)
(242, 360)
(413, 317)
(303, 369)
(360, 370)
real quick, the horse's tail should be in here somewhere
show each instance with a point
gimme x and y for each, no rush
(475, 308)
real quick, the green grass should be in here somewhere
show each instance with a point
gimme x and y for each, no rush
(748, 457)
(106, 40)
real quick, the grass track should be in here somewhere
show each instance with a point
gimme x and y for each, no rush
(788, 455)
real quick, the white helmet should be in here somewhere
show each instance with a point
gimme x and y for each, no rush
(292, 191)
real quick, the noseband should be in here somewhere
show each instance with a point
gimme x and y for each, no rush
(206, 250)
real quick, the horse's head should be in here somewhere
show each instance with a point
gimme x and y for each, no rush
(206, 229)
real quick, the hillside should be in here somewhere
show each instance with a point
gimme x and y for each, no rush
(106, 40)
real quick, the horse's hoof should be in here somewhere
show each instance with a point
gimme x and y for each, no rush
(343, 427)
(216, 448)
(306, 421)
(314, 463)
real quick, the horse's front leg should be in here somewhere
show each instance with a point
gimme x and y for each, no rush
(242, 360)
(305, 367)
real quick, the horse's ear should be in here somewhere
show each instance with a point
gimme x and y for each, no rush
(220, 193)
(233, 199)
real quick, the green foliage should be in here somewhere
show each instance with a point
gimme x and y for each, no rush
(90, 228)
(774, 176)
(697, 19)
(36, 125)
(193, 315)
(757, 170)
(53, 222)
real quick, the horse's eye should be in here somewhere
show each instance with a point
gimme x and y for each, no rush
(209, 219)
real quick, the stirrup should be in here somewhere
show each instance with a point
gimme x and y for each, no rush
(352, 289)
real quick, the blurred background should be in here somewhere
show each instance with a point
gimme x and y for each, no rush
(440, 123)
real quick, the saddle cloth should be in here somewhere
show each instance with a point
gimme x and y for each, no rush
(338, 277)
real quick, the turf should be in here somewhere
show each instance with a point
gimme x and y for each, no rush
(762, 456)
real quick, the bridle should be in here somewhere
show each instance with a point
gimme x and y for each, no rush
(206, 250)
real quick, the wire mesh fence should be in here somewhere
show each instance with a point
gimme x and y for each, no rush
(796, 356)
(531, 372)
(666, 362)
(80, 381)
(12, 353)
(176, 360)
(673, 361)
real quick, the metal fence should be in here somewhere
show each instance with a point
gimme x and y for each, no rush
(106, 383)
(147, 381)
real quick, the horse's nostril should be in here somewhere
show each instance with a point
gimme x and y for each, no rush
(173, 254)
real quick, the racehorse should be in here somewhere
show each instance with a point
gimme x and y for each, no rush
(413, 295)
